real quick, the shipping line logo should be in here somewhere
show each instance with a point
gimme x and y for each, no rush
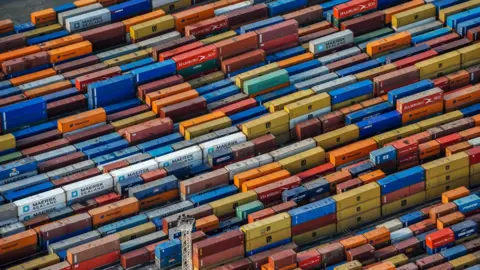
(14, 172)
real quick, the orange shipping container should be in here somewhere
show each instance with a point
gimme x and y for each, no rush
(18, 53)
(60, 42)
(159, 199)
(352, 152)
(17, 241)
(43, 16)
(353, 242)
(199, 120)
(429, 149)
(389, 12)
(242, 177)
(142, 18)
(462, 98)
(476, 119)
(82, 3)
(192, 15)
(382, 266)
(82, 120)
(166, 92)
(470, 133)
(451, 195)
(207, 224)
(114, 211)
(6, 26)
(265, 180)
(337, 178)
(371, 176)
(295, 60)
(450, 219)
(389, 43)
(70, 51)
(48, 89)
(158, 104)
(422, 112)
(456, 148)
(259, 215)
(377, 236)
(33, 76)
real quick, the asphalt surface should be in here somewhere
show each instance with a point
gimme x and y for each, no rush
(19, 10)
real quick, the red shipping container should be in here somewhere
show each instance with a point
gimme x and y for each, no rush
(449, 140)
(259, 215)
(442, 40)
(207, 26)
(237, 45)
(352, 8)
(282, 259)
(195, 57)
(82, 82)
(314, 224)
(277, 31)
(148, 130)
(97, 262)
(309, 259)
(474, 155)
(405, 147)
(134, 258)
(440, 238)
(416, 101)
(422, 226)
(316, 172)
(107, 198)
(280, 44)
(273, 192)
(238, 106)
(442, 83)
(153, 175)
(414, 59)
(179, 50)
(144, 89)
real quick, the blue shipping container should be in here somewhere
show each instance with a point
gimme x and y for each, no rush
(378, 124)
(129, 9)
(111, 91)
(401, 179)
(312, 211)
(369, 112)
(408, 90)
(156, 187)
(351, 91)
(154, 71)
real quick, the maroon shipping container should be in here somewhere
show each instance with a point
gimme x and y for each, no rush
(153, 175)
(284, 207)
(12, 99)
(66, 105)
(443, 266)
(277, 31)
(457, 126)
(408, 266)
(207, 27)
(185, 110)
(38, 139)
(36, 221)
(64, 226)
(365, 254)
(442, 40)
(105, 36)
(243, 264)
(89, 134)
(237, 45)
(364, 24)
(134, 258)
(82, 82)
(395, 79)
(83, 207)
(96, 248)
(225, 255)
(332, 254)
(472, 245)
(314, 224)
(264, 144)
(282, 259)
(204, 182)
(12, 42)
(43, 148)
(127, 113)
(218, 244)
(262, 258)
(308, 129)
(348, 62)
(473, 34)
(430, 261)
(410, 247)
(243, 151)
(144, 89)
(247, 15)
(84, 71)
(243, 60)
(305, 16)
(309, 259)
(25, 62)
(385, 253)
(349, 185)
(197, 213)
(325, 32)
(457, 44)
(76, 64)
(76, 177)
(458, 79)
(403, 193)
(332, 121)
(171, 44)
(422, 226)
(115, 166)
(61, 162)
(148, 130)
(273, 192)
(442, 210)
(280, 44)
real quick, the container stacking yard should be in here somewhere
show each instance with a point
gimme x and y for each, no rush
(298, 134)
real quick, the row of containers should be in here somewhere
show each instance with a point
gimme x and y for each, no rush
(469, 143)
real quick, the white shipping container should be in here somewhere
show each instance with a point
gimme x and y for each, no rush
(55, 153)
(84, 189)
(330, 42)
(334, 57)
(88, 20)
(264, 159)
(17, 177)
(305, 85)
(160, 3)
(133, 170)
(41, 212)
(422, 29)
(474, 142)
(62, 17)
(70, 169)
(308, 116)
(391, 225)
(83, 129)
(307, 75)
(24, 183)
(192, 156)
(337, 83)
(40, 201)
(223, 10)
(41, 82)
(221, 143)
(148, 43)
(101, 166)
(413, 25)
(241, 166)
(293, 149)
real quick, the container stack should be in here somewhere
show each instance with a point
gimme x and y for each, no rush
(218, 250)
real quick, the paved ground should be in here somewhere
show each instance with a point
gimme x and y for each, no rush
(19, 10)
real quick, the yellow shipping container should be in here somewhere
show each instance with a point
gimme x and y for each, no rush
(279, 103)
(405, 203)
(307, 105)
(265, 123)
(137, 231)
(475, 169)
(127, 58)
(7, 141)
(312, 236)
(359, 220)
(241, 78)
(152, 27)
(353, 265)
(228, 205)
(448, 177)
(43, 31)
(38, 263)
(441, 72)
(303, 161)
(436, 192)
(445, 12)
(397, 260)
(207, 127)
(357, 196)
(219, 37)
(464, 262)
(437, 63)
(469, 53)
(445, 165)
(471, 63)
(136, 119)
(265, 180)
(396, 134)
(352, 101)
(358, 209)
(338, 137)
(440, 120)
(175, 5)
(272, 237)
(207, 79)
(374, 72)
(413, 15)
(266, 226)
(475, 180)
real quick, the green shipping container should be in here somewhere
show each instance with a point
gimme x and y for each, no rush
(265, 82)
(199, 69)
(373, 35)
(244, 210)
(10, 157)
